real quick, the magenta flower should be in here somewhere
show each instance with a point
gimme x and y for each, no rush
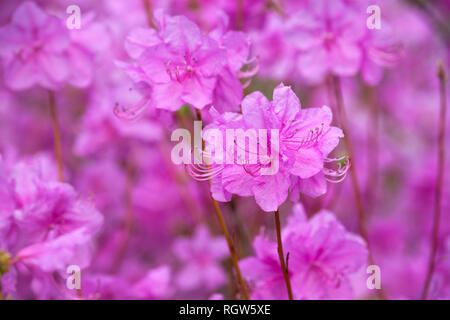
(182, 65)
(56, 210)
(154, 285)
(332, 37)
(101, 128)
(36, 49)
(56, 254)
(322, 256)
(304, 139)
(48, 226)
(201, 258)
(327, 34)
(380, 50)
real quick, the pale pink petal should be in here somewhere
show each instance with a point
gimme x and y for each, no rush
(198, 91)
(167, 95)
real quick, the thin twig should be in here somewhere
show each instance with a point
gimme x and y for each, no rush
(353, 174)
(128, 222)
(373, 148)
(281, 256)
(439, 181)
(149, 12)
(234, 258)
(56, 135)
(239, 15)
(233, 254)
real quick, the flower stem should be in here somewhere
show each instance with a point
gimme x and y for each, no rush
(362, 223)
(128, 222)
(231, 248)
(239, 15)
(439, 181)
(373, 148)
(234, 258)
(56, 135)
(281, 256)
(149, 12)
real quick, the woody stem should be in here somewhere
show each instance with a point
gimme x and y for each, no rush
(439, 181)
(231, 248)
(128, 219)
(56, 135)
(281, 256)
(149, 12)
(234, 258)
(362, 223)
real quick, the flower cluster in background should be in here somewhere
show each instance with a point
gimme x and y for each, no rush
(87, 179)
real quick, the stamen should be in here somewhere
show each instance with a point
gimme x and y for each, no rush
(339, 174)
(202, 172)
(308, 141)
(131, 113)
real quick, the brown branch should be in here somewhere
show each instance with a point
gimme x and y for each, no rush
(56, 135)
(281, 256)
(362, 223)
(439, 181)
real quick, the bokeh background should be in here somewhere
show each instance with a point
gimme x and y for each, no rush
(140, 227)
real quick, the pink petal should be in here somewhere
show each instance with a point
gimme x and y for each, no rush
(167, 95)
(198, 91)
(286, 104)
(308, 162)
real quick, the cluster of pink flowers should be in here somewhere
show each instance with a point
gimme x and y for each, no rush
(38, 49)
(45, 224)
(178, 64)
(306, 138)
(322, 258)
(92, 206)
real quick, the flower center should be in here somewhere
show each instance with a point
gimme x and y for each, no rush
(182, 70)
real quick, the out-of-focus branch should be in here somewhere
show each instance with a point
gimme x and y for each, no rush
(439, 181)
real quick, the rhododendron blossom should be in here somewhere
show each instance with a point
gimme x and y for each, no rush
(50, 226)
(200, 256)
(183, 65)
(332, 38)
(305, 139)
(322, 256)
(154, 149)
(36, 48)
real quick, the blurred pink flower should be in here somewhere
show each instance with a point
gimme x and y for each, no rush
(154, 285)
(36, 49)
(306, 137)
(322, 256)
(57, 253)
(182, 65)
(56, 210)
(327, 33)
(200, 257)
(47, 226)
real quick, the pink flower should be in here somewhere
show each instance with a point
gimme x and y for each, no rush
(50, 225)
(201, 256)
(154, 285)
(182, 65)
(216, 296)
(305, 138)
(327, 34)
(102, 129)
(331, 37)
(380, 50)
(56, 210)
(36, 49)
(56, 254)
(322, 256)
